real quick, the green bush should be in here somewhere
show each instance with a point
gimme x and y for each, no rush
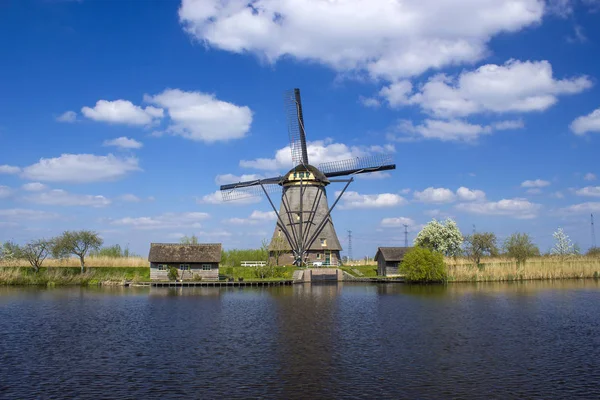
(423, 265)
(172, 274)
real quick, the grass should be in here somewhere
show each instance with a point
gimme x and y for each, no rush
(367, 271)
(248, 273)
(71, 276)
(499, 269)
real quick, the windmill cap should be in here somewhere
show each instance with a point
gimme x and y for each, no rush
(319, 176)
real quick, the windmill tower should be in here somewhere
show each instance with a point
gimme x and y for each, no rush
(304, 231)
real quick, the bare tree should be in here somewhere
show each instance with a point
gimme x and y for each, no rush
(277, 248)
(78, 243)
(35, 252)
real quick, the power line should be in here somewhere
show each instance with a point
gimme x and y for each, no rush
(405, 235)
(349, 245)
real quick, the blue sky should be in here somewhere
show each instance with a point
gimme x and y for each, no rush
(125, 117)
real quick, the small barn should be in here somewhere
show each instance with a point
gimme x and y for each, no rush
(192, 261)
(389, 259)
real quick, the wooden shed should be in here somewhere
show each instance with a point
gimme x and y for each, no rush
(192, 261)
(388, 259)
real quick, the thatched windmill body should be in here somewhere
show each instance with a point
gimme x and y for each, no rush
(304, 232)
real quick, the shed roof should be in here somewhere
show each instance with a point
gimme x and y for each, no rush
(391, 253)
(189, 253)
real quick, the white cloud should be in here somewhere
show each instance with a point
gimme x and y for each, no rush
(255, 218)
(164, 221)
(538, 183)
(589, 177)
(590, 191)
(516, 86)
(369, 102)
(122, 112)
(558, 195)
(397, 222)
(130, 198)
(355, 200)
(202, 117)
(534, 191)
(9, 169)
(435, 195)
(81, 168)
(516, 208)
(230, 178)
(34, 187)
(452, 130)
(67, 116)
(5, 192)
(375, 175)
(581, 208)
(59, 197)
(586, 123)
(407, 39)
(466, 194)
(319, 151)
(123, 143)
(217, 198)
(18, 214)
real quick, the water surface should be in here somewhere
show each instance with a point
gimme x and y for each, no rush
(519, 340)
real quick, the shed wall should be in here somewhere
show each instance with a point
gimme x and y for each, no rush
(194, 272)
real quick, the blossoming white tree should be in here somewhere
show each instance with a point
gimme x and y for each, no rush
(443, 237)
(562, 244)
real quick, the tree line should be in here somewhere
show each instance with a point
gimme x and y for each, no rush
(69, 243)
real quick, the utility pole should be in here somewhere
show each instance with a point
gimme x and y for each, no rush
(405, 235)
(593, 232)
(349, 245)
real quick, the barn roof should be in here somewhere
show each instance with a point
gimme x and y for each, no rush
(189, 253)
(391, 253)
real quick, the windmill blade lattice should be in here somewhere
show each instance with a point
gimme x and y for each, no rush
(358, 165)
(295, 119)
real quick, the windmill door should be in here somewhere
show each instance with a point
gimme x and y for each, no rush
(327, 257)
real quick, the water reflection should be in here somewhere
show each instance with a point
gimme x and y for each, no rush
(504, 340)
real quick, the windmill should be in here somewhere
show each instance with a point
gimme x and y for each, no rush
(304, 231)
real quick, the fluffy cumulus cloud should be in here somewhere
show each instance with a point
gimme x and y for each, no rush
(81, 168)
(516, 86)
(538, 183)
(319, 151)
(589, 191)
(123, 143)
(59, 197)
(466, 194)
(587, 123)
(5, 191)
(23, 214)
(9, 169)
(230, 178)
(581, 208)
(34, 187)
(67, 116)
(451, 130)
(396, 222)
(409, 37)
(122, 112)
(255, 218)
(201, 116)
(164, 221)
(356, 200)
(589, 177)
(435, 195)
(516, 208)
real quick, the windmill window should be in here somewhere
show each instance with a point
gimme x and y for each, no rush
(318, 256)
(295, 175)
(279, 233)
(298, 217)
(323, 242)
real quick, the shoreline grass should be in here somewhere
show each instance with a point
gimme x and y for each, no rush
(63, 276)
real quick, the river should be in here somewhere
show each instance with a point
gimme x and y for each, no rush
(496, 340)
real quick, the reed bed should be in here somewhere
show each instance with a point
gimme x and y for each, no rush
(71, 276)
(500, 269)
(108, 262)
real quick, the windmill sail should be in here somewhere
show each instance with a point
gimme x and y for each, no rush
(255, 188)
(293, 111)
(358, 165)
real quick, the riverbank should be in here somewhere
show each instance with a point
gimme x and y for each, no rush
(59, 276)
